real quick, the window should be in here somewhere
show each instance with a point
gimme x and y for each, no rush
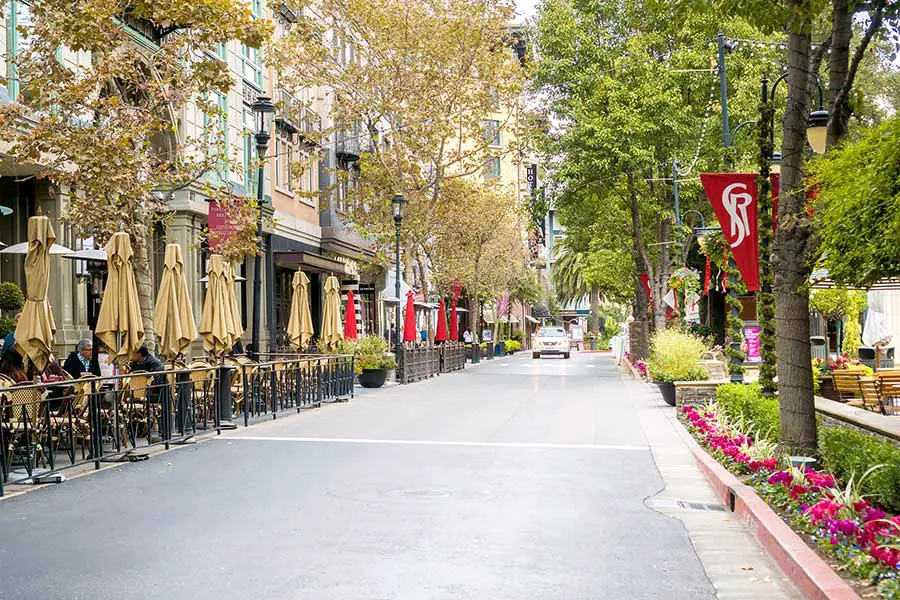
(249, 170)
(284, 154)
(19, 15)
(215, 134)
(222, 51)
(492, 169)
(256, 7)
(251, 65)
(491, 132)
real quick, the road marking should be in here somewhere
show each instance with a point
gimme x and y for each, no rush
(260, 438)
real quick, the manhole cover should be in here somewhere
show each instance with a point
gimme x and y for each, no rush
(414, 495)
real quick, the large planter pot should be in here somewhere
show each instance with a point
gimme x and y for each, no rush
(373, 378)
(667, 389)
(826, 388)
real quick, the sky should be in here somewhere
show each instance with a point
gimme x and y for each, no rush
(525, 9)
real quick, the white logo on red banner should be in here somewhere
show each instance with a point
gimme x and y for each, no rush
(733, 199)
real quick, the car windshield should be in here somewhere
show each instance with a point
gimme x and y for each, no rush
(555, 332)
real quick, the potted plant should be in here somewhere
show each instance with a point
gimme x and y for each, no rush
(675, 356)
(373, 362)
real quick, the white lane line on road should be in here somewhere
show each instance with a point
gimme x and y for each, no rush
(260, 438)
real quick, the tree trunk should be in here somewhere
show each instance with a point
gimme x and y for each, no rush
(838, 67)
(789, 259)
(595, 311)
(143, 277)
(660, 278)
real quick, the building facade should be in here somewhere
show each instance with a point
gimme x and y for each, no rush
(303, 230)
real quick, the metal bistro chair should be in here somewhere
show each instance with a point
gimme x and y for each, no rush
(245, 368)
(25, 425)
(135, 408)
(203, 384)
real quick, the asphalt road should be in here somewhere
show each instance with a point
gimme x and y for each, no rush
(516, 480)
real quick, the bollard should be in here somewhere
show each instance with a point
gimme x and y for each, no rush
(223, 398)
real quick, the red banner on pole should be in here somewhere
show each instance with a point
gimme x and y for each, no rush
(645, 280)
(733, 198)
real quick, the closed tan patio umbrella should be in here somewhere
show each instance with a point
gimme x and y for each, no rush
(173, 318)
(234, 322)
(119, 324)
(300, 325)
(215, 329)
(331, 314)
(36, 328)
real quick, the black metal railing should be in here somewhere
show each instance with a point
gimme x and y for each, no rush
(46, 427)
(49, 426)
(284, 382)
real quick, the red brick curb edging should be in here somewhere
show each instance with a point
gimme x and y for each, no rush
(812, 576)
(631, 369)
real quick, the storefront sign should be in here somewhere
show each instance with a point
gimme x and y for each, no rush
(220, 224)
(531, 174)
(366, 288)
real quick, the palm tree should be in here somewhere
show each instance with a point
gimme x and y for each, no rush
(569, 282)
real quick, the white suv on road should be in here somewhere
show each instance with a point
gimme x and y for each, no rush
(551, 340)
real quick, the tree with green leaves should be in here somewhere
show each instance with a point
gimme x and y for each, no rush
(627, 84)
(795, 247)
(98, 104)
(426, 87)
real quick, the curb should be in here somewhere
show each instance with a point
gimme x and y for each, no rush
(811, 575)
(631, 369)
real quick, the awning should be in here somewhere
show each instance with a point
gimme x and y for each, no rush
(819, 280)
(531, 319)
(309, 262)
(510, 319)
(389, 293)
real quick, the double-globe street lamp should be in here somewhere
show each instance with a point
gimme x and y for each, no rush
(397, 203)
(263, 113)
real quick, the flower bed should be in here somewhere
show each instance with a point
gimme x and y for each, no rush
(833, 517)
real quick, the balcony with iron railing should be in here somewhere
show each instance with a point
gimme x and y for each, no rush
(296, 117)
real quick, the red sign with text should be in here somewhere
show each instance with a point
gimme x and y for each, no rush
(220, 224)
(733, 199)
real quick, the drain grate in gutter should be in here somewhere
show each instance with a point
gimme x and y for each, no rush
(673, 504)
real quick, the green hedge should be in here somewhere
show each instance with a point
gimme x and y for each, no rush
(843, 451)
(849, 452)
(746, 402)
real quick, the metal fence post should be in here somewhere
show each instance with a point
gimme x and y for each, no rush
(96, 433)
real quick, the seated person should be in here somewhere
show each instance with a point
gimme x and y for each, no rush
(145, 361)
(12, 366)
(58, 395)
(78, 364)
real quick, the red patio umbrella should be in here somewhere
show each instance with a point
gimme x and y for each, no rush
(441, 334)
(409, 319)
(454, 322)
(350, 332)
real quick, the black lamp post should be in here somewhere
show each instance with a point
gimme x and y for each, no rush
(263, 112)
(397, 203)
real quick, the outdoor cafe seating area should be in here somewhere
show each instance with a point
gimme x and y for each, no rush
(50, 426)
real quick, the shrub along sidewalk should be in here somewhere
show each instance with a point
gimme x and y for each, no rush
(840, 509)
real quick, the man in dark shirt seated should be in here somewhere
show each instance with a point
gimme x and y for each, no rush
(78, 364)
(145, 361)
